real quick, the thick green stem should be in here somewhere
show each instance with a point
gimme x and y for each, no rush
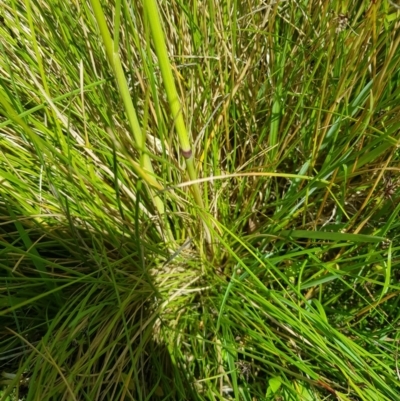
(152, 14)
(115, 62)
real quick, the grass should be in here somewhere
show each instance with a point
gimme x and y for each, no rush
(199, 200)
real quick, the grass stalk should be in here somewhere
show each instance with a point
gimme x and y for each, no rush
(112, 52)
(152, 14)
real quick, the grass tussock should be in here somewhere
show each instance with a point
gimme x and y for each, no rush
(199, 200)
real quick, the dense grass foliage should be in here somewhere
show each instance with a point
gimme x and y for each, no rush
(199, 200)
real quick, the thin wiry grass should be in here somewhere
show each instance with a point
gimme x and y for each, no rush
(292, 116)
